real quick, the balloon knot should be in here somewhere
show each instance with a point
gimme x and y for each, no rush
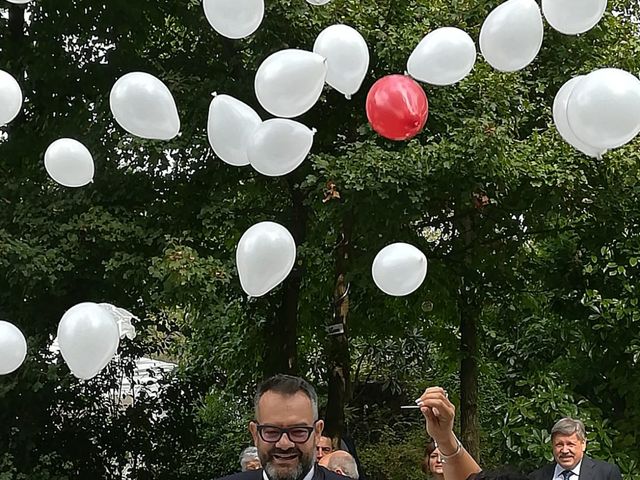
(347, 96)
(314, 131)
(214, 94)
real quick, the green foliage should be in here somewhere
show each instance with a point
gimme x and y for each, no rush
(545, 242)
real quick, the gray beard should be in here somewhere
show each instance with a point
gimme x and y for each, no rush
(297, 474)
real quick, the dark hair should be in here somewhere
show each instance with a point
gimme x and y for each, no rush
(430, 448)
(505, 473)
(287, 385)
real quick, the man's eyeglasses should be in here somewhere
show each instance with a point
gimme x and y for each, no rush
(273, 434)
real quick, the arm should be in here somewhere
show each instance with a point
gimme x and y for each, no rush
(439, 413)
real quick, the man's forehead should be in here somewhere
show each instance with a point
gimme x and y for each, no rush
(285, 408)
(563, 437)
(324, 441)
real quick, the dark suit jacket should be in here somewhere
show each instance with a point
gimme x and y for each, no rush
(320, 473)
(589, 470)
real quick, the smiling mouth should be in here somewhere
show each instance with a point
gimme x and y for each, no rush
(285, 457)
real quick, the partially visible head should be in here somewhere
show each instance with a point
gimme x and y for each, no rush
(431, 464)
(342, 463)
(286, 427)
(323, 447)
(569, 441)
(249, 459)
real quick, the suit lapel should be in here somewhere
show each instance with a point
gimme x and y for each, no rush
(586, 469)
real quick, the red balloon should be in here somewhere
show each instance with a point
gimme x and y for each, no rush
(397, 107)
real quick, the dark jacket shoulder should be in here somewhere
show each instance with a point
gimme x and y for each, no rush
(249, 475)
(591, 469)
(544, 473)
(320, 473)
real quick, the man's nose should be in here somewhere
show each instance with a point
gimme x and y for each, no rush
(285, 442)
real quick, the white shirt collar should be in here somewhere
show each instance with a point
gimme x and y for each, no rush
(308, 476)
(559, 470)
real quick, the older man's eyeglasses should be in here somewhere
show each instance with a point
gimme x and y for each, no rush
(273, 434)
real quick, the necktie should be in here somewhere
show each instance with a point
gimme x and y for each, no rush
(566, 474)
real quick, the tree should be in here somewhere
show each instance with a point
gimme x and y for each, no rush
(506, 212)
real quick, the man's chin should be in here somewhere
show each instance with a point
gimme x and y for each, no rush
(284, 471)
(567, 463)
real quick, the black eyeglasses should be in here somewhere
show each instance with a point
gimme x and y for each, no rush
(273, 434)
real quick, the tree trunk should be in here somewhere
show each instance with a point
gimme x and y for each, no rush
(281, 349)
(469, 315)
(469, 423)
(338, 355)
(16, 22)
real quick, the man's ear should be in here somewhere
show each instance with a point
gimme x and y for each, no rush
(340, 472)
(584, 445)
(319, 427)
(253, 428)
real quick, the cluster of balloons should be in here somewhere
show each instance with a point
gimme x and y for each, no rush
(67, 161)
(593, 113)
(511, 35)
(266, 254)
(287, 84)
(88, 337)
(599, 111)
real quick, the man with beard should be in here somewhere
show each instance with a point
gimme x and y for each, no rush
(569, 442)
(286, 431)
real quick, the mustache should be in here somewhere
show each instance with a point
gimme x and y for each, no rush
(279, 451)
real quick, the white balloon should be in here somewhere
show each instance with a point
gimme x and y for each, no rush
(89, 337)
(443, 57)
(278, 146)
(13, 348)
(318, 2)
(347, 57)
(562, 123)
(69, 163)
(511, 35)
(19, 2)
(144, 106)
(230, 126)
(234, 18)
(572, 17)
(399, 269)
(265, 256)
(10, 98)
(289, 82)
(604, 108)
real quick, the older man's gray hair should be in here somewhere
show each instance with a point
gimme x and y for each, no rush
(249, 454)
(569, 426)
(344, 463)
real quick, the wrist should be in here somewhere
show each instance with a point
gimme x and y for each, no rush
(450, 450)
(447, 444)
